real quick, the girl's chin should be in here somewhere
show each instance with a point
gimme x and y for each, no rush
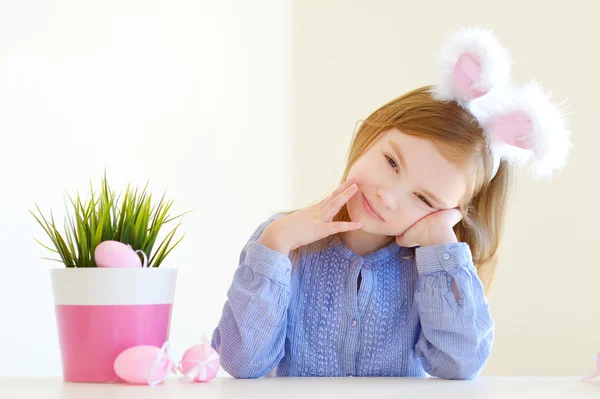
(367, 226)
(375, 228)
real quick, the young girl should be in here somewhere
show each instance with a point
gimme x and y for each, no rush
(387, 276)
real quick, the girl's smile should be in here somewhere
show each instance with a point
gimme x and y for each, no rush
(369, 208)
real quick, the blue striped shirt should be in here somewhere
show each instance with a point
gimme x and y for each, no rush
(403, 320)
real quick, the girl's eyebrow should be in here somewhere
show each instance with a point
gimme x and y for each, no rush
(434, 198)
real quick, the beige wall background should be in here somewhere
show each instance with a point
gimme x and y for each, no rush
(291, 79)
(353, 56)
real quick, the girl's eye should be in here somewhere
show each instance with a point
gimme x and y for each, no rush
(394, 165)
(392, 162)
(424, 200)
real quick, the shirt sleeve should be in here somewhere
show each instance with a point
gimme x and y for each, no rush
(250, 335)
(456, 335)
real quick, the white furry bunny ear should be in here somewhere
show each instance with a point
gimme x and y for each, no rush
(525, 123)
(472, 62)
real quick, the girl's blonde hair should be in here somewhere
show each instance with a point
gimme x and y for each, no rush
(459, 138)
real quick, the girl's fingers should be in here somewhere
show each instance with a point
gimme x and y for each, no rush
(333, 207)
(455, 217)
(338, 191)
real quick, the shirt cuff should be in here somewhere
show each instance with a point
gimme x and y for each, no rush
(442, 257)
(268, 262)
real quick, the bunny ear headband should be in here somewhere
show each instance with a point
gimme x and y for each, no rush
(520, 123)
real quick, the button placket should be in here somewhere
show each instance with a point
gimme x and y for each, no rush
(351, 271)
(369, 266)
(352, 311)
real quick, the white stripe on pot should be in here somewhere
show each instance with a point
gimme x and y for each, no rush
(108, 286)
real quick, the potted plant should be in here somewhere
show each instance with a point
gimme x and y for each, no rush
(107, 300)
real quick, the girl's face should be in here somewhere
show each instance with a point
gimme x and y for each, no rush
(401, 179)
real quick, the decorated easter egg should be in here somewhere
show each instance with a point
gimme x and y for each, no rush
(200, 362)
(116, 254)
(143, 364)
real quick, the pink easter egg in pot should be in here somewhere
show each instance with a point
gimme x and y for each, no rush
(116, 254)
(200, 362)
(143, 365)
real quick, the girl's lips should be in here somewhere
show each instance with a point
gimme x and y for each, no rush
(369, 208)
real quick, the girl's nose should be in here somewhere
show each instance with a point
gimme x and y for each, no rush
(387, 198)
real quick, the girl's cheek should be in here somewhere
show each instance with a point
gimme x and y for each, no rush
(359, 176)
(406, 217)
(366, 173)
(353, 172)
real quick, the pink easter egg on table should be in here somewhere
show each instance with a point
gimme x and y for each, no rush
(143, 365)
(200, 362)
(116, 254)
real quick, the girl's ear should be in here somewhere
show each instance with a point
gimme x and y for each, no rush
(472, 63)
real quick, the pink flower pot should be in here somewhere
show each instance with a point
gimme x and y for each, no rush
(100, 312)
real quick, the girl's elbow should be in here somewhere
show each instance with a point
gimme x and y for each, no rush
(244, 367)
(241, 371)
(463, 367)
(466, 373)
(459, 372)
(244, 374)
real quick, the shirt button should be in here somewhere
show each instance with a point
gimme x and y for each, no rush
(367, 266)
(446, 256)
(353, 323)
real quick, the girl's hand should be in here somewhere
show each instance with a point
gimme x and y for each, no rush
(310, 224)
(433, 229)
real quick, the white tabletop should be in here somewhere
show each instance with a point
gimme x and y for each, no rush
(290, 388)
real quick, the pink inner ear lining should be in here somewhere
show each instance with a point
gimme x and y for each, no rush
(465, 75)
(513, 129)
